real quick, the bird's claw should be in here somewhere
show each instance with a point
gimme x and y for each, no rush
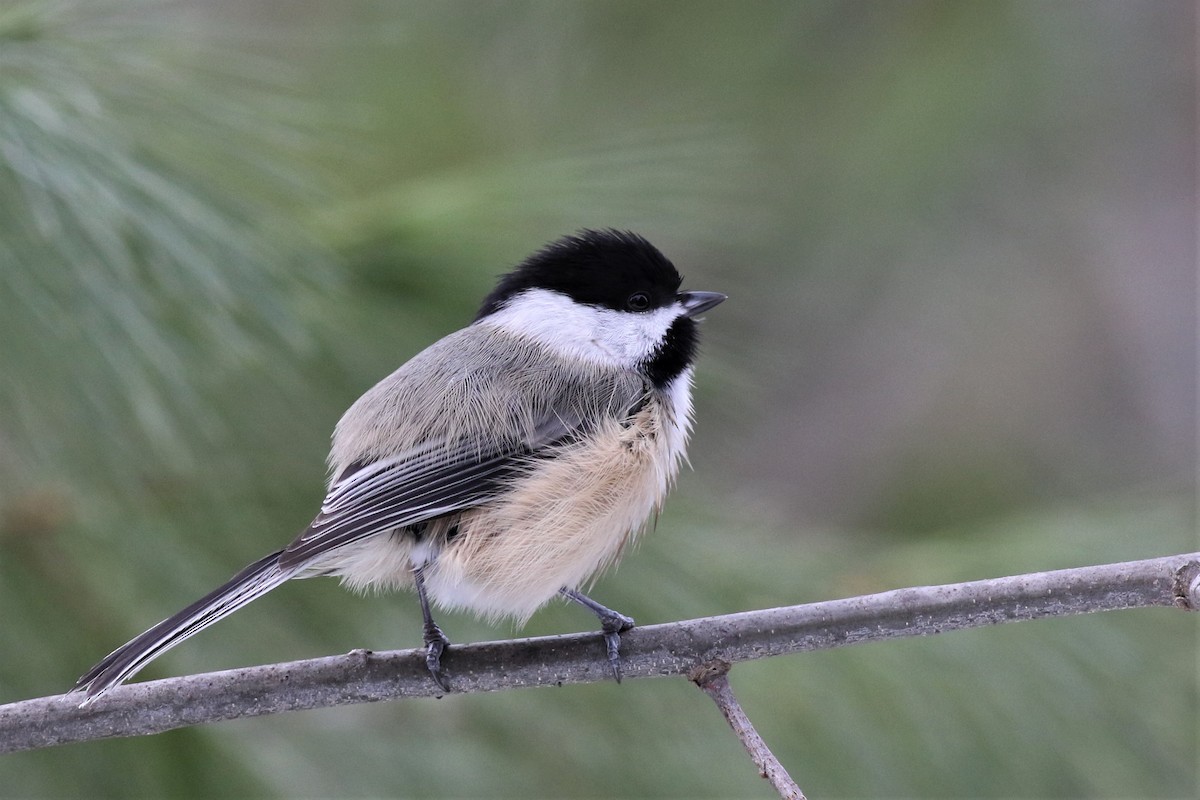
(435, 644)
(612, 627)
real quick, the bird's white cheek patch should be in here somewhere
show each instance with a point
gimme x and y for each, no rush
(636, 336)
(599, 335)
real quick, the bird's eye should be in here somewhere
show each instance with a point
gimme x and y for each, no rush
(639, 301)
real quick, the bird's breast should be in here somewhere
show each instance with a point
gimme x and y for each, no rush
(567, 517)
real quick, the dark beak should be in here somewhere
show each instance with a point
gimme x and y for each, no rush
(695, 303)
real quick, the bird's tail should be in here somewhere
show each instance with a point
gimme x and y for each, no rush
(251, 583)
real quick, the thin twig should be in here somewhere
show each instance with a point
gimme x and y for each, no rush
(653, 651)
(713, 678)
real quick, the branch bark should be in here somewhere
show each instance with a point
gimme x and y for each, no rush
(713, 680)
(674, 648)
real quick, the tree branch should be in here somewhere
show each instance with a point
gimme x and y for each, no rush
(655, 650)
(713, 680)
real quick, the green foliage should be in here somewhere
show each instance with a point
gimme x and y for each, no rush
(134, 269)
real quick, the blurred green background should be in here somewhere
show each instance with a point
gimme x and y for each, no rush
(959, 241)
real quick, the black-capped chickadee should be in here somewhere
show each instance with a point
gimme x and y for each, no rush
(504, 465)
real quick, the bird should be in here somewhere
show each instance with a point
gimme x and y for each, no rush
(505, 465)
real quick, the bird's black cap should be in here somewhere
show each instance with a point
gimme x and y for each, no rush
(605, 268)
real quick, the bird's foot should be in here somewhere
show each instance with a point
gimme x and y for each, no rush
(435, 644)
(612, 625)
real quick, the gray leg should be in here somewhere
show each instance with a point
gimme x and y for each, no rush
(435, 640)
(612, 625)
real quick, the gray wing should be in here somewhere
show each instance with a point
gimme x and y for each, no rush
(441, 477)
(404, 490)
